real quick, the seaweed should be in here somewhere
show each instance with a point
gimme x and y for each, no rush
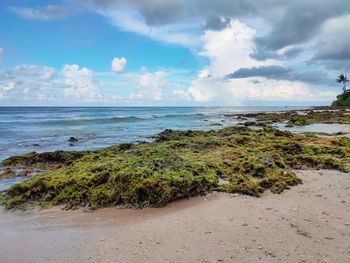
(178, 164)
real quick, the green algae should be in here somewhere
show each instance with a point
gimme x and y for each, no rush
(178, 164)
(42, 160)
(338, 115)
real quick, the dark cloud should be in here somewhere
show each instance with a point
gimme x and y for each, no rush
(216, 23)
(340, 54)
(292, 53)
(291, 22)
(267, 71)
(295, 27)
(301, 22)
(317, 77)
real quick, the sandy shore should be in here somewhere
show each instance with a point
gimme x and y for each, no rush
(309, 223)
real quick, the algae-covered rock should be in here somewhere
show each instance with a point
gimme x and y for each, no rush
(34, 159)
(304, 117)
(178, 164)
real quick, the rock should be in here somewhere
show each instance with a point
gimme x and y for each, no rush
(25, 172)
(7, 172)
(73, 139)
(245, 224)
(260, 247)
(250, 123)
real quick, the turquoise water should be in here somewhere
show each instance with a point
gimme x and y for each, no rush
(26, 129)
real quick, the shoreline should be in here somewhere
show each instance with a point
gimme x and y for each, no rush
(308, 223)
(248, 159)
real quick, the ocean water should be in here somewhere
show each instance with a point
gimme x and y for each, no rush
(40, 129)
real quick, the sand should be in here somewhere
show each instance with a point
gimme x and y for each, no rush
(309, 223)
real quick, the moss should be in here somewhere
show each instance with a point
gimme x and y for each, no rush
(34, 159)
(244, 185)
(14, 202)
(299, 120)
(278, 181)
(179, 164)
(305, 117)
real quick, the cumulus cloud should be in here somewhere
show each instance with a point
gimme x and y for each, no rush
(118, 64)
(180, 94)
(229, 50)
(37, 83)
(74, 84)
(79, 84)
(238, 91)
(259, 46)
(151, 85)
(157, 87)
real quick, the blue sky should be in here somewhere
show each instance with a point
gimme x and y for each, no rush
(174, 52)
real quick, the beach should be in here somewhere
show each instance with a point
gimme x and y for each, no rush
(282, 210)
(174, 131)
(309, 223)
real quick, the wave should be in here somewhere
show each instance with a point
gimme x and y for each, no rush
(112, 120)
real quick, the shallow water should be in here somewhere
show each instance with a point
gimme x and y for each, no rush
(318, 127)
(6, 183)
(26, 129)
(41, 129)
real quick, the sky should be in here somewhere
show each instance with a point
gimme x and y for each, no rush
(172, 52)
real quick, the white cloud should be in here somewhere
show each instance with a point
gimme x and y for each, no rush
(49, 74)
(36, 83)
(49, 12)
(181, 95)
(136, 96)
(73, 84)
(118, 64)
(228, 50)
(79, 84)
(151, 84)
(9, 86)
(236, 91)
(130, 20)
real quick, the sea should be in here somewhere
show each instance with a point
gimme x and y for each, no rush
(41, 129)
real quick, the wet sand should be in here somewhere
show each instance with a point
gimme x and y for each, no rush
(309, 223)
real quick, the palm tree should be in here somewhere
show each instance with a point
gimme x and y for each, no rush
(342, 78)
